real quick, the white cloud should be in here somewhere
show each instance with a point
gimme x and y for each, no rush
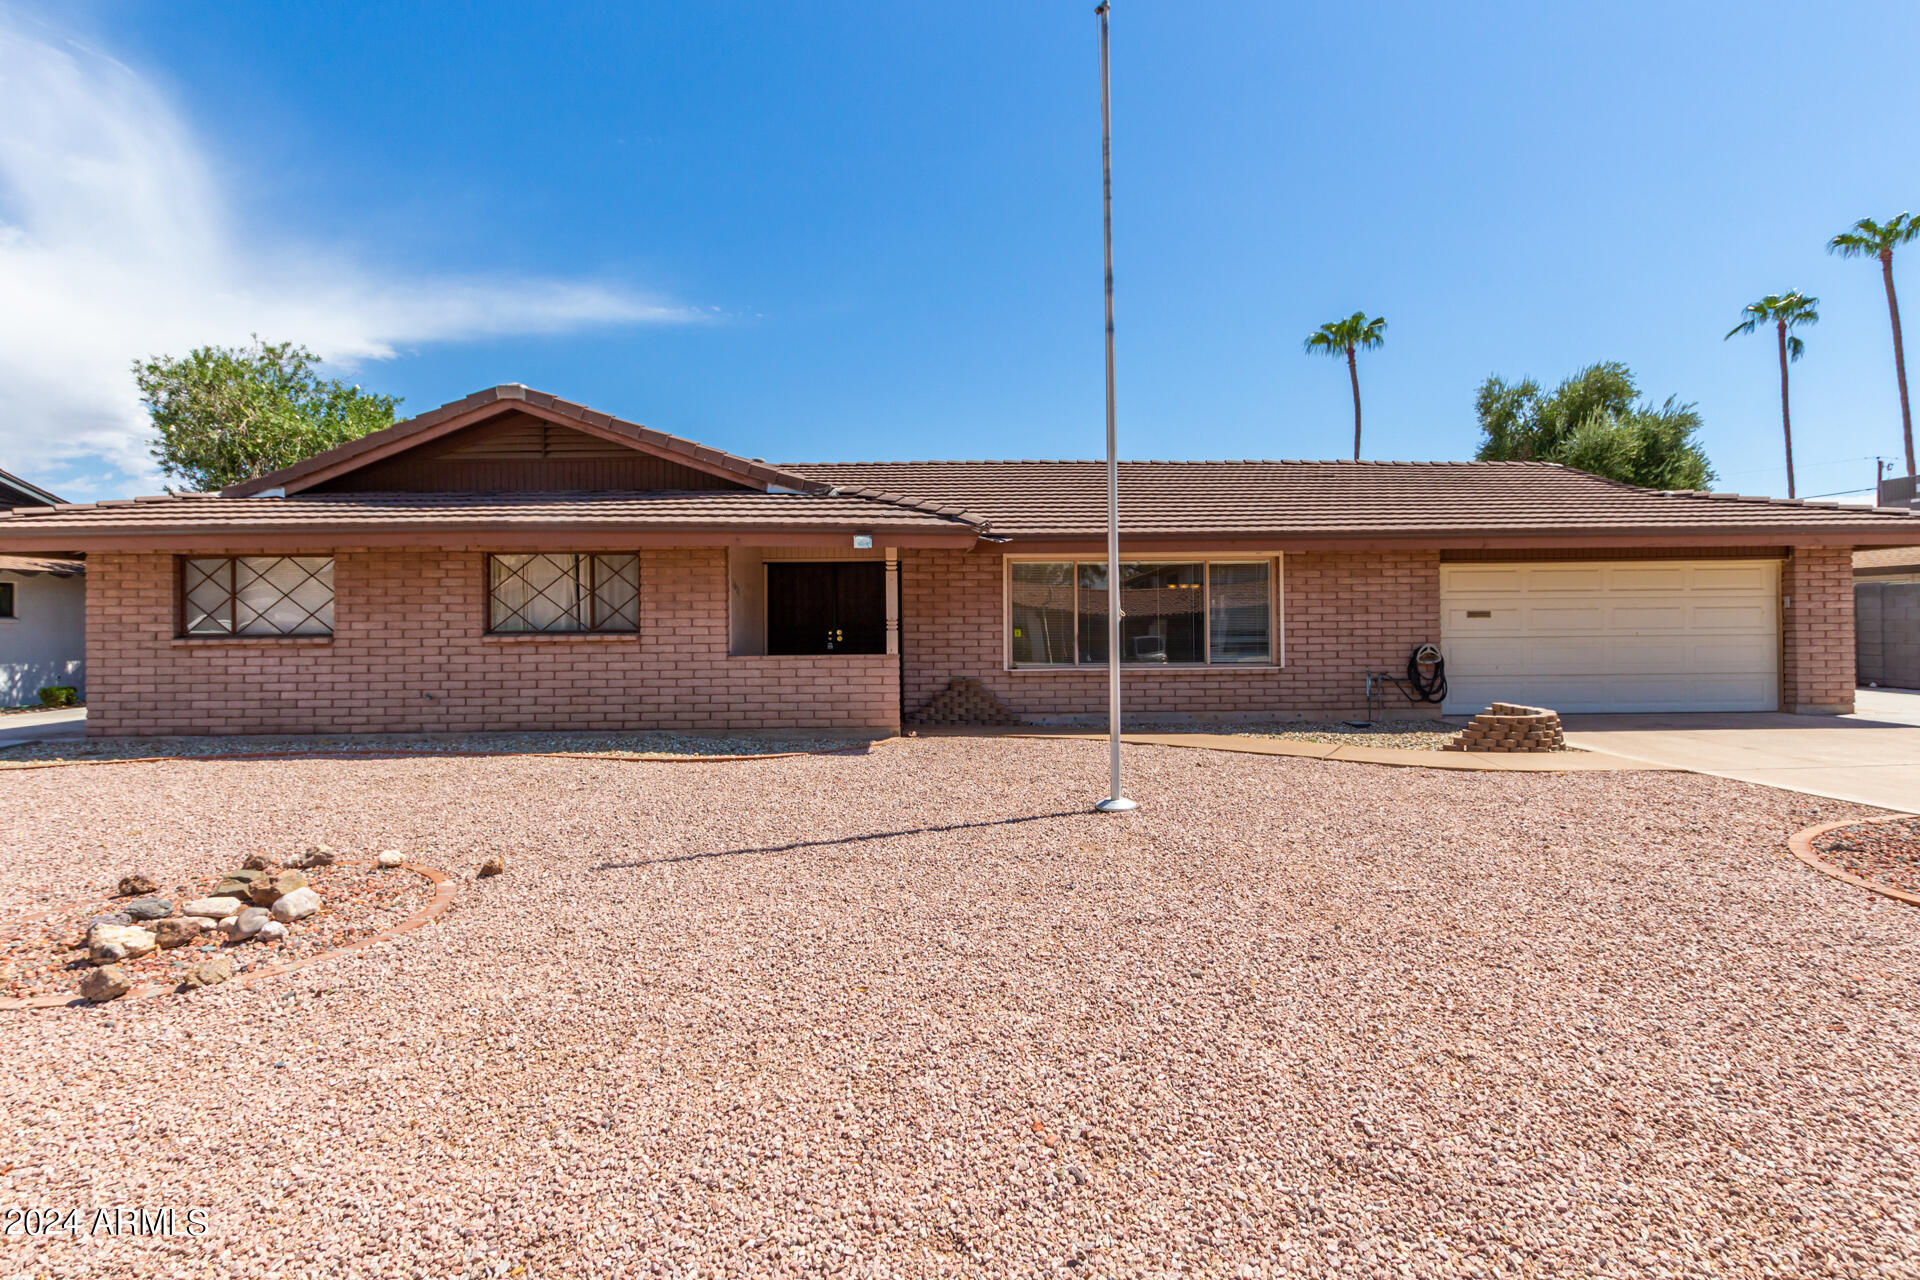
(116, 244)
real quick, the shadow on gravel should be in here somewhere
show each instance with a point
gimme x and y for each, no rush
(821, 844)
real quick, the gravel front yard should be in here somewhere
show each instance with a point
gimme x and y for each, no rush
(916, 1013)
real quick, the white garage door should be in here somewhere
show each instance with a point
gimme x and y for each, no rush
(1635, 635)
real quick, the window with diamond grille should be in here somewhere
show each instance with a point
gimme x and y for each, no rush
(563, 593)
(257, 596)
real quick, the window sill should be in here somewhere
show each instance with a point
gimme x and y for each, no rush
(1150, 668)
(561, 637)
(274, 642)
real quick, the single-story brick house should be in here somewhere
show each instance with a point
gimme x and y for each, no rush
(43, 623)
(514, 561)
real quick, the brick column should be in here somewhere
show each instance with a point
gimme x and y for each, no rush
(1816, 586)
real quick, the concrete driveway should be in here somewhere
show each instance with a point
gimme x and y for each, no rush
(1871, 756)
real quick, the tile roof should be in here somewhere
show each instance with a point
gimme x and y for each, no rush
(465, 513)
(1337, 499)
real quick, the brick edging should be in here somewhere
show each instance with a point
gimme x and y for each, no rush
(1801, 842)
(444, 889)
(23, 766)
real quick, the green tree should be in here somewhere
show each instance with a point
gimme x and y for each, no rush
(1595, 422)
(227, 414)
(1784, 311)
(1878, 240)
(1343, 338)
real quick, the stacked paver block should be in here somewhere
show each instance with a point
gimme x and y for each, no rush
(965, 701)
(1508, 726)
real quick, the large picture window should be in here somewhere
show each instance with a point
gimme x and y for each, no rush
(257, 596)
(1173, 612)
(559, 593)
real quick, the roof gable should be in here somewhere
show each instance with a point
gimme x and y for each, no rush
(15, 492)
(406, 455)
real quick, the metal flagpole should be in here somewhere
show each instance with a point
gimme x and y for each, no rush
(1115, 801)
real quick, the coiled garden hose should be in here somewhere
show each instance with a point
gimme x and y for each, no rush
(1427, 674)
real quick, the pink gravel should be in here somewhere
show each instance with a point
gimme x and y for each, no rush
(917, 1013)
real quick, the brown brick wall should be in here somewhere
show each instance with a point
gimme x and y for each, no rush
(409, 624)
(1817, 626)
(1344, 613)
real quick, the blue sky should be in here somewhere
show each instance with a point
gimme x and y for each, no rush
(836, 231)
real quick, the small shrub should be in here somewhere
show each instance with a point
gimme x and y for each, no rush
(59, 695)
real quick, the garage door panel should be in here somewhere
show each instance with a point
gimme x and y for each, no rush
(1627, 636)
(1751, 578)
(1649, 615)
(1484, 619)
(1577, 578)
(1485, 581)
(1562, 617)
(1636, 578)
(1730, 615)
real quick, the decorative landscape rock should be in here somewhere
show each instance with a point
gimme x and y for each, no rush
(257, 862)
(296, 905)
(316, 855)
(109, 982)
(118, 917)
(178, 931)
(107, 943)
(234, 884)
(391, 858)
(247, 923)
(496, 865)
(269, 889)
(149, 909)
(272, 931)
(209, 973)
(213, 908)
(137, 884)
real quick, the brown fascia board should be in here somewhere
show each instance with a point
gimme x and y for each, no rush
(481, 405)
(1158, 542)
(493, 537)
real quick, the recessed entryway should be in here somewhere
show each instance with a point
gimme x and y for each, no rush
(826, 607)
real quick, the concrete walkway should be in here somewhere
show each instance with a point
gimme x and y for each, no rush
(1870, 757)
(42, 726)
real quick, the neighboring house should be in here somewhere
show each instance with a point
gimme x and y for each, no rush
(43, 619)
(1886, 601)
(514, 561)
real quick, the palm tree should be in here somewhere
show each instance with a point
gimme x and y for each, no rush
(1870, 239)
(1783, 311)
(1344, 337)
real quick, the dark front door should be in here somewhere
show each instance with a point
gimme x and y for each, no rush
(826, 607)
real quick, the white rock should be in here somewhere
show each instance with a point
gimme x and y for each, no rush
(213, 908)
(391, 858)
(107, 943)
(271, 931)
(248, 923)
(298, 905)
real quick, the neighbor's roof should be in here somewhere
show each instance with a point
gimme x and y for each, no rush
(1068, 499)
(422, 517)
(42, 564)
(14, 490)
